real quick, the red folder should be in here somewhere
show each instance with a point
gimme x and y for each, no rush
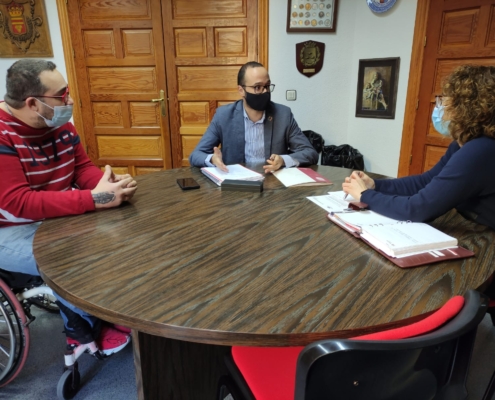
(410, 261)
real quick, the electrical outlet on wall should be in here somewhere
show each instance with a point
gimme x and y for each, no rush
(291, 95)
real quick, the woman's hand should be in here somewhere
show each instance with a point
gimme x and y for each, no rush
(370, 183)
(358, 182)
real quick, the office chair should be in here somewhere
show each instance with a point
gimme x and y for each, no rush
(425, 360)
(490, 390)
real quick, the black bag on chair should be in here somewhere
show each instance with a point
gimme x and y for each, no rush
(315, 139)
(343, 156)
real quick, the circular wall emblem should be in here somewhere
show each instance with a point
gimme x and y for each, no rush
(379, 6)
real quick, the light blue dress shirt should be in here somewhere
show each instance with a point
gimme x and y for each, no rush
(254, 150)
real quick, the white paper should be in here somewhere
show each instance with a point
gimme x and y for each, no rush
(406, 238)
(333, 201)
(236, 172)
(292, 176)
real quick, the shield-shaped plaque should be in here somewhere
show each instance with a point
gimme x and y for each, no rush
(309, 57)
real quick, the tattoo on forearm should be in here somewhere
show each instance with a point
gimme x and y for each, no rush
(104, 197)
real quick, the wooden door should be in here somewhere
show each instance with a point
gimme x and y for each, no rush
(127, 53)
(206, 42)
(457, 33)
(119, 52)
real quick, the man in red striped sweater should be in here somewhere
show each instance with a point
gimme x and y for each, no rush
(46, 173)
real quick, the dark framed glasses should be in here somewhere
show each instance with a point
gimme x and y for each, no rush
(259, 88)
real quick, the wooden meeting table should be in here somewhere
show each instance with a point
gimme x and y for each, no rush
(194, 272)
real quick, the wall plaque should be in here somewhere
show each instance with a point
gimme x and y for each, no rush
(24, 29)
(309, 57)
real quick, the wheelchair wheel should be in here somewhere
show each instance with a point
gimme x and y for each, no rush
(14, 335)
(68, 385)
(45, 301)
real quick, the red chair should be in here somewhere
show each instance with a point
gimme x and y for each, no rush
(425, 360)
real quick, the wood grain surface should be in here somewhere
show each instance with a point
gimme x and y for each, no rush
(237, 268)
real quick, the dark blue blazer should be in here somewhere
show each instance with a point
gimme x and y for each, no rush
(282, 136)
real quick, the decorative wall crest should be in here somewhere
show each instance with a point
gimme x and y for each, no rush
(24, 29)
(309, 57)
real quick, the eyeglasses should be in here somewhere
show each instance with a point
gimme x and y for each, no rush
(439, 101)
(258, 89)
(64, 97)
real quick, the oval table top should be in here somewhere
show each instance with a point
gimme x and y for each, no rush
(242, 268)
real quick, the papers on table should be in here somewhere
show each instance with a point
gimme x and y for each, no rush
(236, 172)
(333, 201)
(300, 177)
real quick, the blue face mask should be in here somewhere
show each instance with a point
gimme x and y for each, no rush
(439, 124)
(61, 115)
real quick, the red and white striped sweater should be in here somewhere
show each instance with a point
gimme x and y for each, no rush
(38, 170)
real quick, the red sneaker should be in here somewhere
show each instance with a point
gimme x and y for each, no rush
(112, 340)
(72, 342)
(123, 329)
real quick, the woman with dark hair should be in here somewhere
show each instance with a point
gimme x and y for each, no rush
(464, 178)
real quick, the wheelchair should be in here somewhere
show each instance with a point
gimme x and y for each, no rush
(18, 292)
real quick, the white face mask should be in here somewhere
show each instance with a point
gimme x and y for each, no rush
(61, 115)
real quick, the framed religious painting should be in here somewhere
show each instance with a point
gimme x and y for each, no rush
(312, 15)
(24, 29)
(377, 87)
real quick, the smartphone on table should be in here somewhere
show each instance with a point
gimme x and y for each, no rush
(187, 183)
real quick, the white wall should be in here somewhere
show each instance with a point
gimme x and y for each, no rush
(58, 52)
(326, 102)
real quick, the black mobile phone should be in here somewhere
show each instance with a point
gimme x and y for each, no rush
(187, 183)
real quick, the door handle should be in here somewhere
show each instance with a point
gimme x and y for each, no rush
(162, 102)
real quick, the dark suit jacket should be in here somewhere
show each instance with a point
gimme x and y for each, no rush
(282, 136)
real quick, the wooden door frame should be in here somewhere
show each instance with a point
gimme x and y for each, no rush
(63, 16)
(412, 97)
(70, 67)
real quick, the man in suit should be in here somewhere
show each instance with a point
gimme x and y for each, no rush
(254, 129)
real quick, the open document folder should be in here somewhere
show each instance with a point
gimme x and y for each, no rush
(236, 172)
(405, 243)
(300, 177)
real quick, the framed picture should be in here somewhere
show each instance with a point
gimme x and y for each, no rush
(377, 87)
(312, 15)
(24, 29)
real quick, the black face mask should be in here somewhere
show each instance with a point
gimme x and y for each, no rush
(258, 102)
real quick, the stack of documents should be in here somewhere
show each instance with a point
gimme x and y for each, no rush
(236, 172)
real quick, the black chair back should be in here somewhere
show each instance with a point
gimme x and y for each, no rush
(431, 366)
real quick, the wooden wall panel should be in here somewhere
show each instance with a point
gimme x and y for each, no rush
(118, 170)
(490, 36)
(190, 42)
(210, 40)
(223, 103)
(194, 113)
(216, 9)
(459, 28)
(445, 67)
(107, 114)
(231, 42)
(130, 147)
(114, 9)
(137, 42)
(211, 79)
(122, 80)
(146, 170)
(99, 43)
(432, 155)
(188, 145)
(144, 114)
